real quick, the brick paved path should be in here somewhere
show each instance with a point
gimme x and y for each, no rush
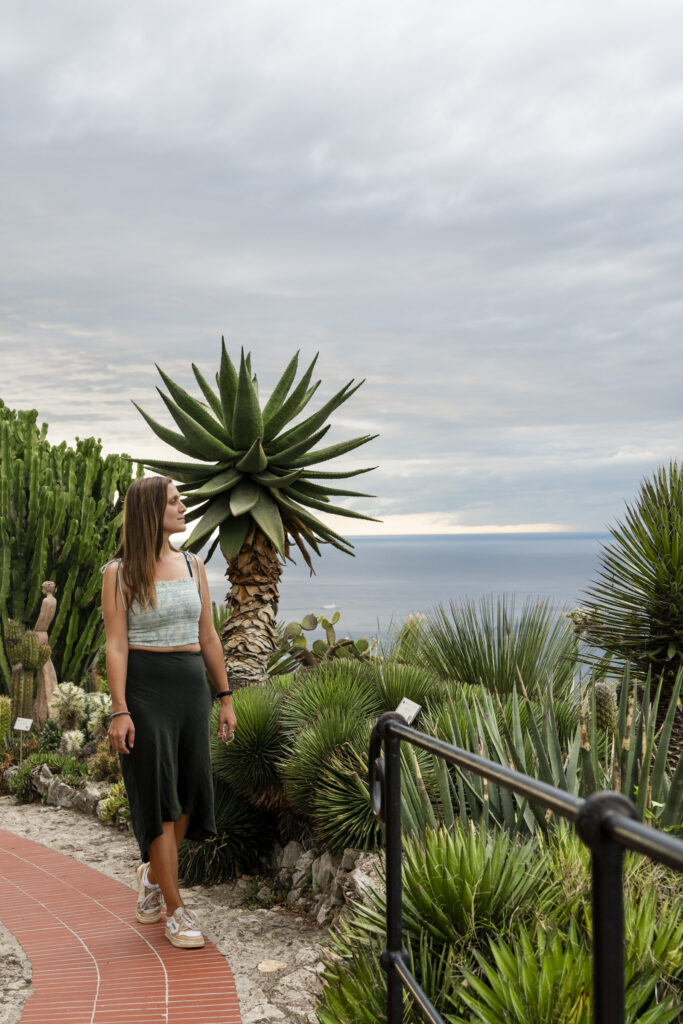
(92, 962)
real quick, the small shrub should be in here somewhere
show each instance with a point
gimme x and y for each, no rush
(116, 806)
(105, 765)
(71, 771)
(50, 736)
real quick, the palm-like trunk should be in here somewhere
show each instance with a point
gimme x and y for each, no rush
(249, 635)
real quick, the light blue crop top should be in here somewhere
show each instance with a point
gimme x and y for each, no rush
(175, 620)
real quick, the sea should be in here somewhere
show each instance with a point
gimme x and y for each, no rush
(391, 577)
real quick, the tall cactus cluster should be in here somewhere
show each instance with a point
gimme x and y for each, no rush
(26, 655)
(60, 512)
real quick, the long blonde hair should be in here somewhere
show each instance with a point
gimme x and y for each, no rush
(143, 536)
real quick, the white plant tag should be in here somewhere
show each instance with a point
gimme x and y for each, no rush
(23, 724)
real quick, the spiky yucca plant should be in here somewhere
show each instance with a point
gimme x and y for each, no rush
(253, 484)
(634, 608)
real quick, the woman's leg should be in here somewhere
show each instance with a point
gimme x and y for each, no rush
(163, 861)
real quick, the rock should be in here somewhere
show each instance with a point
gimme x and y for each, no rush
(292, 897)
(264, 893)
(265, 1011)
(274, 862)
(349, 858)
(358, 884)
(325, 914)
(323, 870)
(9, 773)
(86, 800)
(99, 810)
(267, 966)
(41, 779)
(59, 794)
(302, 869)
(290, 855)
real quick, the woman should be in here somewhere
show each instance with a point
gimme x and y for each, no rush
(160, 643)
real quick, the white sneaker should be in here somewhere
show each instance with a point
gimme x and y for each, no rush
(183, 930)
(150, 898)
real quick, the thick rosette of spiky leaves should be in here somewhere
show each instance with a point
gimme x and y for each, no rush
(253, 466)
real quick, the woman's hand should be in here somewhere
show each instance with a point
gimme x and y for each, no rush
(226, 720)
(121, 734)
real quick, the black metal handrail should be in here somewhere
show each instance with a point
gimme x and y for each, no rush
(606, 822)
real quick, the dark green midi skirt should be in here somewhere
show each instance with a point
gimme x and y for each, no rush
(168, 771)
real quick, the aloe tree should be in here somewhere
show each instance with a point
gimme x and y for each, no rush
(252, 485)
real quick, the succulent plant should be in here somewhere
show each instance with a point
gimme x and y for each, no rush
(293, 650)
(13, 637)
(5, 722)
(253, 485)
(68, 705)
(60, 514)
(72, 741)
(98, 714)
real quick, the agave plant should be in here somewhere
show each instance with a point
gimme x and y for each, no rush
(253, 485)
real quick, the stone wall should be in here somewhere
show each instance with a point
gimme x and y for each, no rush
(320, 883)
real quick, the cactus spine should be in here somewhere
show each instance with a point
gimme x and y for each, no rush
(60, 513)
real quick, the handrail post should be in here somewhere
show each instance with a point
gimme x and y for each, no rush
(607, 858)
(394, 948)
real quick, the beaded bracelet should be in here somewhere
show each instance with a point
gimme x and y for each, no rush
(114, 715)
(224, 693)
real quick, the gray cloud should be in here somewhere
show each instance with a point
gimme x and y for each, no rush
(476, 207)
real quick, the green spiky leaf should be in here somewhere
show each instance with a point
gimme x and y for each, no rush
(299, 398)
(227, 386)
(194, 410)
(281, 389)
(209, 394)
(232, 534)
(243, 497)
(216, 512)
(247, 421)
(324, 454)
(255, 461)
(221, 482)
(267, 515)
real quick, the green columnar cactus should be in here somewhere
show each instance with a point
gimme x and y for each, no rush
(60, 513)
(29, 650)
(5, 721)
(13, 637)
(22, 693)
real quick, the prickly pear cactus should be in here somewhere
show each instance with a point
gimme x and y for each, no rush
(5, 722)
(293, 651)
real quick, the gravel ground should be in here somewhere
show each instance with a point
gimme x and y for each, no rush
(274, 955)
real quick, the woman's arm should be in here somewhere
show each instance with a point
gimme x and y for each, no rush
(212, 652)
(121, 729)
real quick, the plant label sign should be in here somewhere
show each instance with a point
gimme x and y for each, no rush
(23, 724)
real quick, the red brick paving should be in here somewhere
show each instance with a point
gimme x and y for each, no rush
(92, 962)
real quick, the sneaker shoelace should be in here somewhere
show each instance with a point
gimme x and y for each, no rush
(187, 919)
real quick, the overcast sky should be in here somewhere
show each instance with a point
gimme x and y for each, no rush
(474, 205)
